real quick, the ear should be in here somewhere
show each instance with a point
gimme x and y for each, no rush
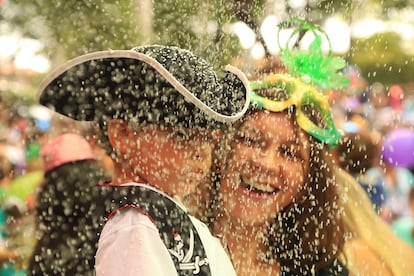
(118, 135)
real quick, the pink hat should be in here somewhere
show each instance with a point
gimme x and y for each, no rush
(66, 148)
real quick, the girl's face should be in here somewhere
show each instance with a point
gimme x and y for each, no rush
(267, 167)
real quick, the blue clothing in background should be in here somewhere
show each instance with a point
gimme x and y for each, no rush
(374, 187)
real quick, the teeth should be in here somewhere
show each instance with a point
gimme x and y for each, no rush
(264, 188)
(259, 187)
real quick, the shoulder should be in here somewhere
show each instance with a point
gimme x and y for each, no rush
(209, 241)
(127, 218)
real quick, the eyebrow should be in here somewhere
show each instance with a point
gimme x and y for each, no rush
(293, 142)
(291, 137)
(250, 131)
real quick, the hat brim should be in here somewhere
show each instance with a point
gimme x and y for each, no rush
(76, 89)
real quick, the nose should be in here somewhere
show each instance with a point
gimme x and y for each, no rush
(267, 161)
(202, 152)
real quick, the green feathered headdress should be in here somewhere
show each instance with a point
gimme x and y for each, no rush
(312, 66)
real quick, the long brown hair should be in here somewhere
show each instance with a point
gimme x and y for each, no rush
(309, 234)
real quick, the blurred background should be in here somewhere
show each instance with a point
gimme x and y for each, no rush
(375, 37)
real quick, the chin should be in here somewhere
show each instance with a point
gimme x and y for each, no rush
(252, 216)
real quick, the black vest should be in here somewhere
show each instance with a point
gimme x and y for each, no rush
(173, 223)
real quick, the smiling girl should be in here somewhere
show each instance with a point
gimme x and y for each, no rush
(280, 211)
(286, 207)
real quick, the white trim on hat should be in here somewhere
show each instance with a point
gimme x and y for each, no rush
(161, 70)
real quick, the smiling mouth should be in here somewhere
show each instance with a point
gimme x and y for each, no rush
(259, 188)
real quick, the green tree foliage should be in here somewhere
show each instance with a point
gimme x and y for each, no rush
(196, 25)
(71, 27)
(318, 10)
(381, 58)
(393, 4)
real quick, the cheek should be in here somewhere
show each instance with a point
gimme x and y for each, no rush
(177, 158)
(162, 150)
(227, 187)
(294, 177)
(240, 150)
(175, 155)
(240, 156)
(151, 155)
(229, 182)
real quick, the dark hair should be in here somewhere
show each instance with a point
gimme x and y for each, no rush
(69, 216)
(355, 152)
(308, 235)
(316, 222)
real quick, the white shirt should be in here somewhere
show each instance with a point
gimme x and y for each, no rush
(130, 244)
(220, 263)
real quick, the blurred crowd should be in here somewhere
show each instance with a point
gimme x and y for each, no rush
(24, 130)
(377, 148)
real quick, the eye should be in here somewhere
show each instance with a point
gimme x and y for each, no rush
(290, 151)
(274, 93)
(179, 135)
(249, 139)
(315, 115)
(206, 138)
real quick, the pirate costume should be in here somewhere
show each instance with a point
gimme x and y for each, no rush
(150, 85)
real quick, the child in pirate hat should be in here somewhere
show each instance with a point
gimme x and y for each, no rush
(159, 109)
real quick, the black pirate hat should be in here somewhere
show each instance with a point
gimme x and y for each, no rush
(148, 84)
